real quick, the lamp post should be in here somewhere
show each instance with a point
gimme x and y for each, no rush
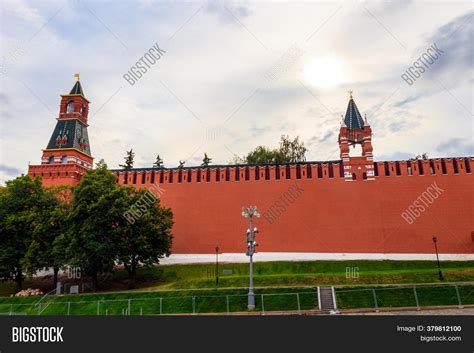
(217, 266)
(437, 259)
(250, 212)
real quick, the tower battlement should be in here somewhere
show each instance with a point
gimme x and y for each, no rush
(306, 170)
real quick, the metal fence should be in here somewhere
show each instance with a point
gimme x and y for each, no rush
(405, 296)
(162, 305)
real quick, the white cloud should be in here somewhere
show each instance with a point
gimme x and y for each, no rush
(214, 66)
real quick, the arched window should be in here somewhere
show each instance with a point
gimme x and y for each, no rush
(64, 160)
(51, 160)
(354, 176)
(364, 175)
(70, 107)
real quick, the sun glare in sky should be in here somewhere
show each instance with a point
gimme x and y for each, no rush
(324, 72)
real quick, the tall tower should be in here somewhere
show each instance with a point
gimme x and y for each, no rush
(354, 132)
(67, 156)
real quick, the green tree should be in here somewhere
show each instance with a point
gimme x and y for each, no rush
(145, 238)
(129, 159)
(158, 162)
(206, 161)
(423, 157)
(262, 155)
(96, 211)
(20, 201)
(289, 151)
(51, 223)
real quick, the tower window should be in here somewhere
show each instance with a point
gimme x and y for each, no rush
(70, 107)
(64, 160)
(51, 160)
(354, 176)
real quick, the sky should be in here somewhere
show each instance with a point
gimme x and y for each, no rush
(235, 75)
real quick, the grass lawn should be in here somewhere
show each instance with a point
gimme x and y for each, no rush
(301, 273)
(436, 295)
(164, 302)
(170, 289)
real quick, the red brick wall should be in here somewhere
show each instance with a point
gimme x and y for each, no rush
(329, 215)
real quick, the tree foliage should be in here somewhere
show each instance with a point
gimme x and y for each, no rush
(289, 151)
(50, 224)
(206, 161)
(20, 204)
(128, 160)
(84, 227)
(148, 238)
(158, 162)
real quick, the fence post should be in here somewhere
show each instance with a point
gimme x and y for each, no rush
(68, 308)
(129, 307)
(141, 311)
(194, 304)
(416, 298)
(161, 306)
(298, 299)
(98, 307)
(459, 297)
(263, 306)
(39, 308)
(11, 309)
(375, 300)
(227, 300)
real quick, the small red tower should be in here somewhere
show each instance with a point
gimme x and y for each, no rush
(67, 157)
(356, 131)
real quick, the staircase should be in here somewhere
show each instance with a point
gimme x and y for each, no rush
(326, 299)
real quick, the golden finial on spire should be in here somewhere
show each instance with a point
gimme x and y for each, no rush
(78, 76)
(350, 94)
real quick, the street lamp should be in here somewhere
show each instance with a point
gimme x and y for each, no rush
(217, 266)
(250, 212)
(437, 259)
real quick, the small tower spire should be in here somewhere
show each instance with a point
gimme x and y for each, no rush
(350, 94)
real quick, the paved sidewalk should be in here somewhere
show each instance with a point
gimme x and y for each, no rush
(466, 311)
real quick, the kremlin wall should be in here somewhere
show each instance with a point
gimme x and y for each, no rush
(352, 208)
